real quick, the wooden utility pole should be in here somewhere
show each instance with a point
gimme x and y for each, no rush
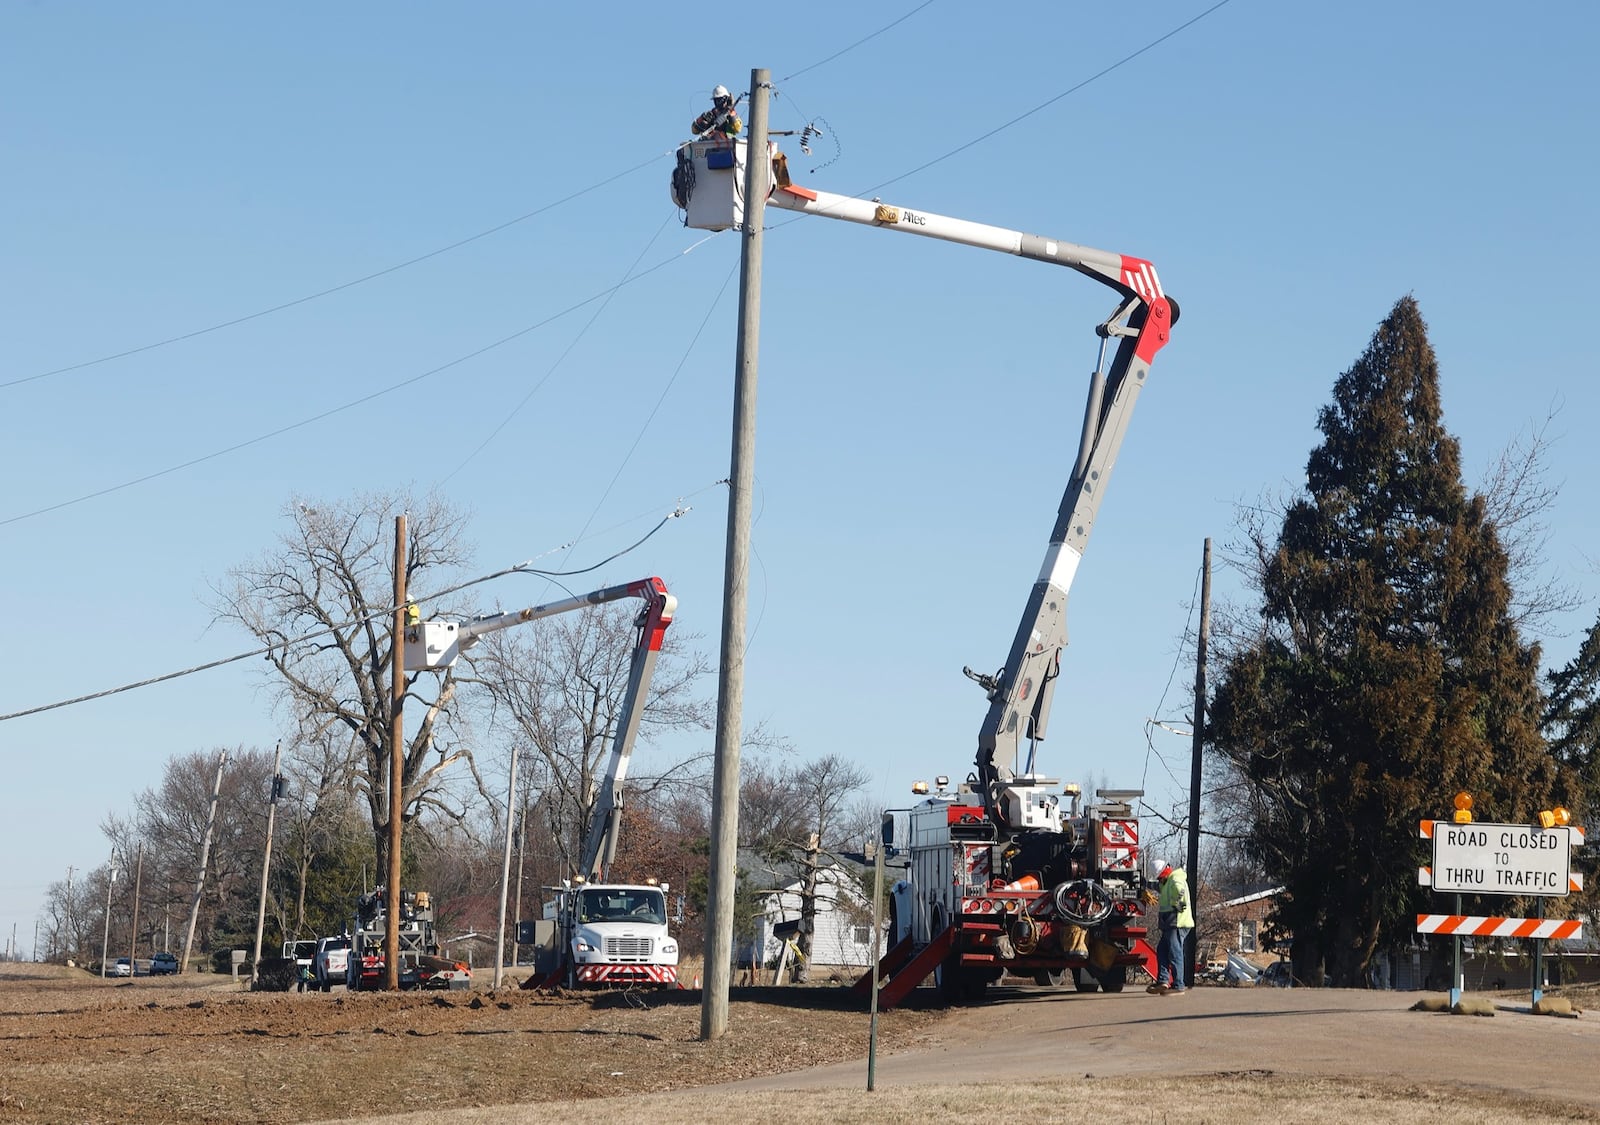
(266, 860)
(1192, 947)
(205, 856)
(397, 802)
(724, 869)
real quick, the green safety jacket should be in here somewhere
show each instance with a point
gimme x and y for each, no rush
(1174, 903)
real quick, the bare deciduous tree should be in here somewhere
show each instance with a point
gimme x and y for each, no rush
(323, 600)
(558, 688)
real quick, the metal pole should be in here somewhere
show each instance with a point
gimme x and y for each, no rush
(1538, 954)
(1457, 985)
(1191, 950)
(266, 862)
(105, 937)
(505, 873)
(397, 802)
(205, 855)
(730, 677)
(877, 956)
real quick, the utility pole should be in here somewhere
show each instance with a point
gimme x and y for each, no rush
(205, 856)
(522, 871)
(133, 932)
(105, 936)
(736, 565)
(877, 846)
(1192, 946)
(397, 802)
(74, 947)
(505, 872)
(266, 858)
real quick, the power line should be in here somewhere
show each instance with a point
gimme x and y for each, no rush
(352, 404)
(496, 229)
(520, 568)
(560, 359)
(604, 293)
(858, 42)
(661, 398)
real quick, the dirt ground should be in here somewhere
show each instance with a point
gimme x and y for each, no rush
(74, 1048)
(200, 1049)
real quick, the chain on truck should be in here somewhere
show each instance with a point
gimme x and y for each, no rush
(1011, 872)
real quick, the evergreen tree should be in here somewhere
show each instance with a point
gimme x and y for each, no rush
(1387, 672)
(1572, 716)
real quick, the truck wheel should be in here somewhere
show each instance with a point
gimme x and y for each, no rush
(1049, 978)
(1114, 978)
(1083, 982)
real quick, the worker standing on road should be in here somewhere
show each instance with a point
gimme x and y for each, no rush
(1177, 919)
(719, 120)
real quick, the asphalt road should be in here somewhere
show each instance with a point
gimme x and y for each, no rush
(1322, 1032)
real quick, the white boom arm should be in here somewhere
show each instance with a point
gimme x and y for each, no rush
(1132, 275)
(706, 184)
(435, 645)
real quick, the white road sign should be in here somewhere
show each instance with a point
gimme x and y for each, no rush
(1501, 859)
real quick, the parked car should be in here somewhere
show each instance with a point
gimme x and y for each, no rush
(163, 964)
(121, 967)
(1279, 974)
(331, 962)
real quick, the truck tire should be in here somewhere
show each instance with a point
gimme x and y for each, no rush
(1083, 982)
(963, 984)
(1113, 979)
(1049, 978)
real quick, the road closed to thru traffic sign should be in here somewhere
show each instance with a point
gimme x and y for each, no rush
(1501, 859)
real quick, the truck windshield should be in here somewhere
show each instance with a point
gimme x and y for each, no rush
(623, 904)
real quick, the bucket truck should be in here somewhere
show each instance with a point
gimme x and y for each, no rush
(594, 932)
(1011, 871)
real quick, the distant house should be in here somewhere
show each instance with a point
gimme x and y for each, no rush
(1239, 925)
(843, 936)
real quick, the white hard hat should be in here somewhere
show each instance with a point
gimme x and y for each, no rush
(720, 92)
(1159, 867)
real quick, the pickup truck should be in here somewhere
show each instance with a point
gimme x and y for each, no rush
(331, 962)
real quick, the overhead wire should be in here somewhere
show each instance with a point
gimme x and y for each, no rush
(1177, 659)
(417, 378)
(266, 650)
(1021, 117)
(858, 42)
(560, 359)
(350, 405)
(420, 258)
(661, 398)
(496, 229)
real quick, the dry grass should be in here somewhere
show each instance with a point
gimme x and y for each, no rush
(1253, 1096)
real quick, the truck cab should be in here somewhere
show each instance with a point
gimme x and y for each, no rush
(610, 934)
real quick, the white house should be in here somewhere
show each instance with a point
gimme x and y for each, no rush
(843, 936)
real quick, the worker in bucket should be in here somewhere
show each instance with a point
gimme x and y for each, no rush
(719, 120)
(1177, 919)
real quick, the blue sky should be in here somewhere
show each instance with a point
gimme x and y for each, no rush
(1292, 170)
